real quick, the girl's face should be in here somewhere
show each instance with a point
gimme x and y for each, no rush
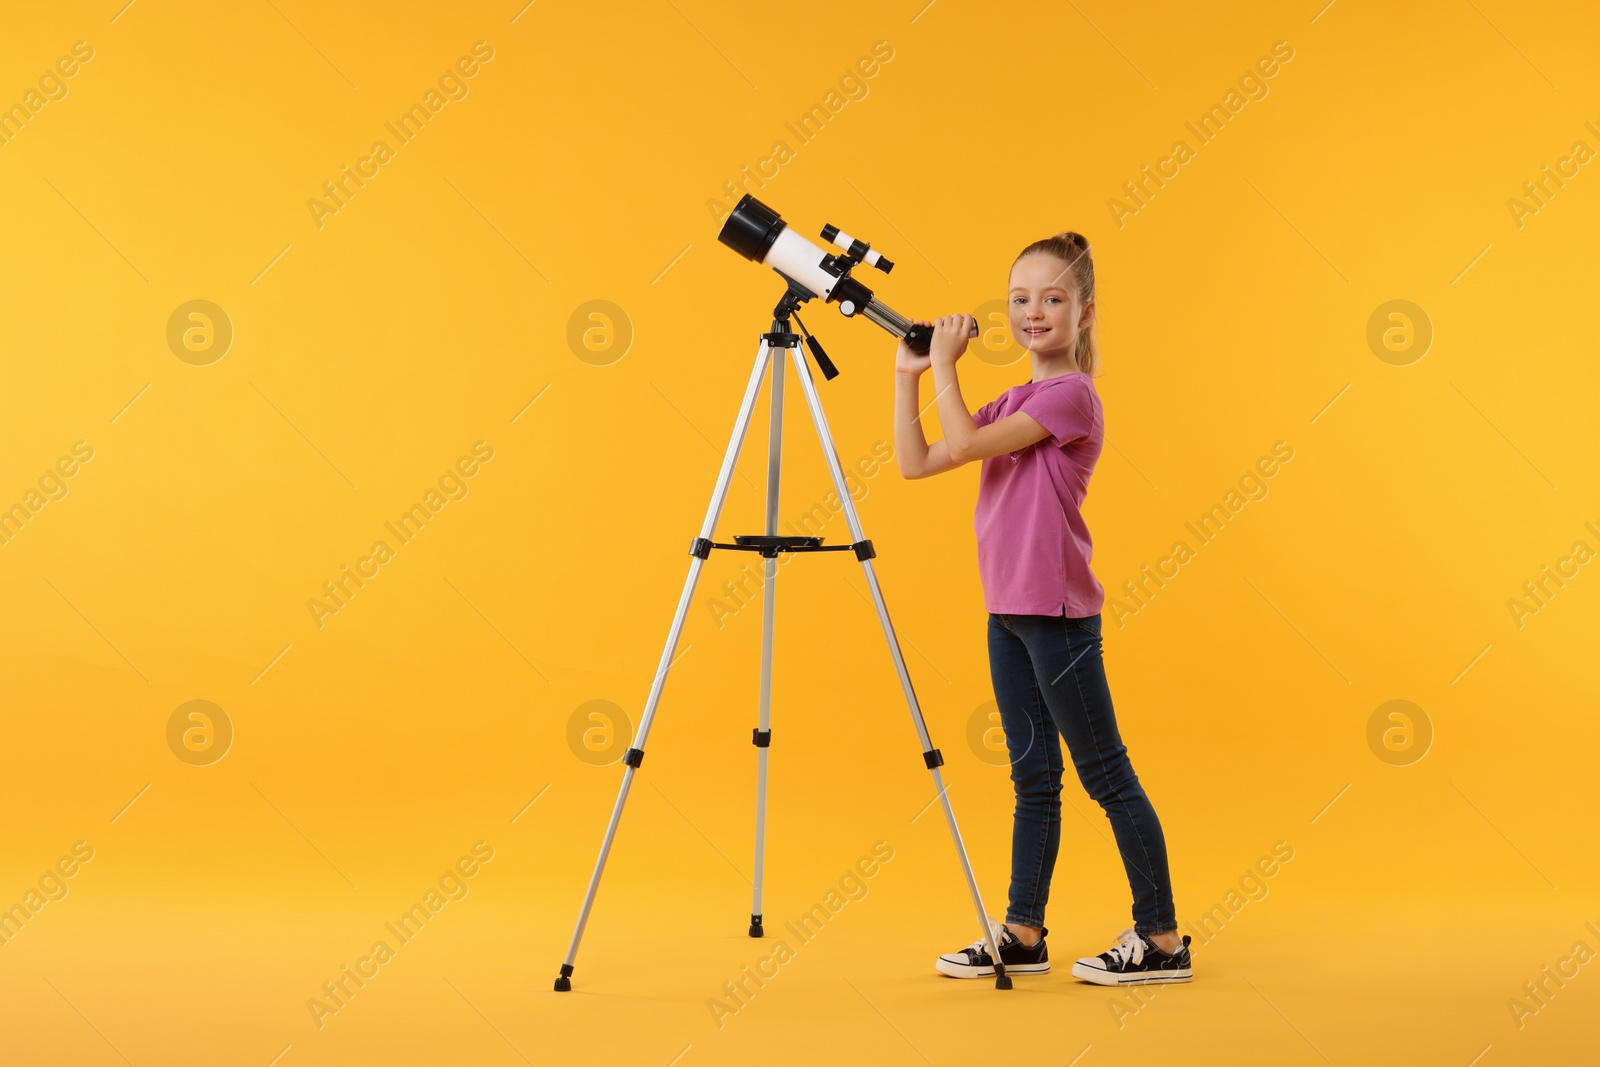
(1046, 311)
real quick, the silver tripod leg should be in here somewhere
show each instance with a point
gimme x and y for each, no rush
(635, 755)
(769, 590)
(930, 754)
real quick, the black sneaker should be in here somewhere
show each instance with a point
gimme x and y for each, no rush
(974, 961)
(1135, 960)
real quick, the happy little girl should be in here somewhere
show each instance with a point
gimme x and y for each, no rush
(1039, 442)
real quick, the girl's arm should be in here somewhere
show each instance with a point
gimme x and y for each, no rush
(916, 458)
(964, 440)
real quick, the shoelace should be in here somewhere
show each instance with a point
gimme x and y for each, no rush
(980, 947)
(1129, 948)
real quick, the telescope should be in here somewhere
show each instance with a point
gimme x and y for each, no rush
(759, 234)
(756, 232)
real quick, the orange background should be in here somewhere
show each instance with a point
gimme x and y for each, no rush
(437, 304)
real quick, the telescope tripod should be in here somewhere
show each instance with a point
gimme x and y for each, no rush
(782, 339)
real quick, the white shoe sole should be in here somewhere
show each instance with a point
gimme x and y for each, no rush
(967, 970)
(1104, 977)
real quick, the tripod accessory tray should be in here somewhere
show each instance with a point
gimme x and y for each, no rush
(770, 546)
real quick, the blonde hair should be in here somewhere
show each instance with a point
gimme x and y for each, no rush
(1072, 248)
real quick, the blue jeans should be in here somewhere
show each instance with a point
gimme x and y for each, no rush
(1050, 682)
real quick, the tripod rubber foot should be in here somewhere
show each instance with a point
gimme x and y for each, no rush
(564, 984)
(755, 927)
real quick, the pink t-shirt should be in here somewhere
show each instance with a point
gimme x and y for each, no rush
(1033, 545)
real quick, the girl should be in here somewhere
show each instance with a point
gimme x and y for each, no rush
(1039, 442)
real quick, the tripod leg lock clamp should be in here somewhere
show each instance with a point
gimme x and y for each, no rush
(933, 758)
(633, 757)
(864, 550)
(761, 738)
(700, 546)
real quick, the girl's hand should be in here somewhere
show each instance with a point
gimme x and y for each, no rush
(949, 337)
(908, 362)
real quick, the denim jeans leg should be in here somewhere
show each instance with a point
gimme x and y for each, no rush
(1034, 746)
(1067, 656)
